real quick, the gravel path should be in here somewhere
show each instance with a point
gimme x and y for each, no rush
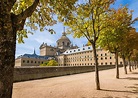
(80, 86)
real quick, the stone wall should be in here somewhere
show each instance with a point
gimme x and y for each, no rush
(31, 73)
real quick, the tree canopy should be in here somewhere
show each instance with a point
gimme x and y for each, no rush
(50, 63)
(38, 14)
(88, 20)
(14, 16)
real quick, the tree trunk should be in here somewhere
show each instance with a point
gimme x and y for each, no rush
(135, 65)
(96, 67)
(117, 67)
(132, 64)
(129, 64)
(124, 64)
(7, 55)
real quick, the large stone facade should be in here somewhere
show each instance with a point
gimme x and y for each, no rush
(84, 57)
(67, 55)
(31, 60)
(46, 52)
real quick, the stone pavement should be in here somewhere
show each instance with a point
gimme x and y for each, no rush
(80, 86)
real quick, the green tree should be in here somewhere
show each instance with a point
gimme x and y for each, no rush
(126, 46)
(45, 63)
(13, 15)
(118, 21)
(52, 63)
(134, 57)
(87, 20)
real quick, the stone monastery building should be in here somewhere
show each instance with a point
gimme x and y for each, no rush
(66, 54)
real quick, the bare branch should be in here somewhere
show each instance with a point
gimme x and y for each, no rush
(136, 19)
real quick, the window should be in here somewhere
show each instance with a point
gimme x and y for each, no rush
(74, 50)
(105, 63)
(31, 61)
(83, 48)
(101, 63)
(105, 54)
(88, 47)
(110, 63)
(101, 58)
(62, 43)
(23, 61)
(78, 49)
(27, 61)
(120, 62)
(68, 44)
(35, 61)
(105, 57)
(110, 57)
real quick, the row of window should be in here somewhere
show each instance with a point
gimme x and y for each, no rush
(81, 59)
(64, 43)
(30, 61)
(80, 50)
(86, 64)
(71, 51)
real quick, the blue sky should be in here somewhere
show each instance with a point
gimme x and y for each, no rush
(35, 40)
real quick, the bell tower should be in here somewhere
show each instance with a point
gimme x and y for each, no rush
(63, 42)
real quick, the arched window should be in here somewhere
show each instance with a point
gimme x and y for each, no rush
(67, 43)
(62, 43)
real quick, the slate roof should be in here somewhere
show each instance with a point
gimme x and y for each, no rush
(34, 55)
(82, 49)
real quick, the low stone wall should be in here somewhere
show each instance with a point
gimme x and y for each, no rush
(31, 73)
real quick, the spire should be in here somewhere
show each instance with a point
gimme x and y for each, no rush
(64, 29)
(34, 51)
(64, 33)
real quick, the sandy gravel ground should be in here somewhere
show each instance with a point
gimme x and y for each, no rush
(80, 86)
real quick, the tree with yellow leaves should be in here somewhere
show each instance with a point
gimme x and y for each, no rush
(127, 46)
(119, 23)
(14, 15)
(88, 20)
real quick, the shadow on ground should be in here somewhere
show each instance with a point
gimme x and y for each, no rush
(130, 78)
(134, 72)
(135, 91)
(135, 88)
